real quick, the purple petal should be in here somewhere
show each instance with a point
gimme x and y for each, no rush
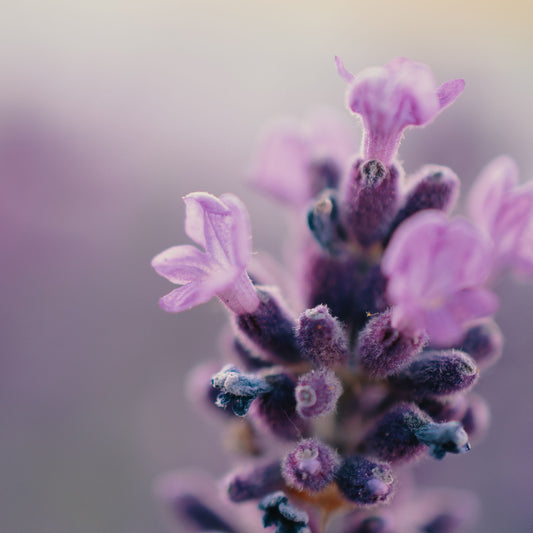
(182, 264)
(496, 180)
(197, 206)
(239, 242)
(343, 72)
(448, 92)
(390, 98)
(197, 292)
(280, 166)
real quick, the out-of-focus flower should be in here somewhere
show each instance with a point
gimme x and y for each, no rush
(294, 162)
(504, 212)
(436, 269)
(390, 98)
(222, 227)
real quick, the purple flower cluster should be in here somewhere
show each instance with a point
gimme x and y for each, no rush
(371, 364)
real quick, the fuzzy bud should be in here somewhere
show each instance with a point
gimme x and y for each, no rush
(254, 483)
(284, 516)
(317, 393)
(323, 221)
(434, 187)
(321, 338)
(393, 436)
(370, 202)
(442, 438)
(238, 390)
(476, 419)
(381, 349)
(437, 373)
(365, 481)
(484, 343)
(276, 410)
(269, 328)
(310, 466)
(324, 173)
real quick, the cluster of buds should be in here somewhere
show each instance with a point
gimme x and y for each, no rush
(370, 365)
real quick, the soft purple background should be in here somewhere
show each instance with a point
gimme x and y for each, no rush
(109, 113)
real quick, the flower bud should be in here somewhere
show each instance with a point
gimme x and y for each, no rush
(434, 187)
(321, 338)
(317, 393)
(382, 349)
(238, 390)
(269, 328)
(280, 513)
(323, 221)
(446, 408)
(310, 466)
(332, 281)
(476, 419)
(255, 482)
(436, 373)
(365, 481)
(324, 173)
(441, 438)
(276, 410)
(392, 438)
(484, 343)
(372, 296)
(370, 202)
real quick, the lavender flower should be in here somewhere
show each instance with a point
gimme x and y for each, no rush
(221, 226)
(390, 98)
(437, 287)
(504, 211)
(394, 331)
(294, 162)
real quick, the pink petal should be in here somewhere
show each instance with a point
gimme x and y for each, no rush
(343, 72)
(239, 244)
(197, 205)
(448, 92)
(182, 264)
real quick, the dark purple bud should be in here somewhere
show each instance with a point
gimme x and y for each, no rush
(254, 483)
(321, 338)
(317, 393)
(192, 503)
(284, 516)
(393, 436)
(332, 281)
(443, 523)
(371, 201)
(448, 437)
(365, 481)
(323, 221)
(484, 343)
(476, 419)
(381, 349)
(372, 296)
(277, 409)
(238, 390)
(373, 524)
(310, 466)
(270, 329)
(445, 409)
(436, 373)
(433, 187)
(324, 173)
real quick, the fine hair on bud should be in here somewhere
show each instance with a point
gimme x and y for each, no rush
(317, 393)
(310, 466)
(382, 349)
(321, 338)
(269, 328)
(365, 481)
(436, 373)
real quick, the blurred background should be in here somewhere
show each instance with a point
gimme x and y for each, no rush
(110, 111)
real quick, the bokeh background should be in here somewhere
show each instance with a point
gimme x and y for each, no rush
(110, 111)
